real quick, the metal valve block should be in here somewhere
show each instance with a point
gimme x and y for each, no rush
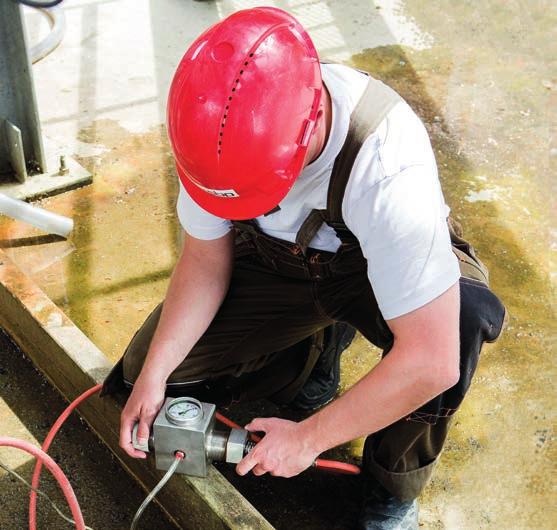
(187, 425)
(190, 438)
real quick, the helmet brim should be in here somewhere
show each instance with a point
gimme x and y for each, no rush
(236, 208)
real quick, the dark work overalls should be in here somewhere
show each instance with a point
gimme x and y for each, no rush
(268, 333)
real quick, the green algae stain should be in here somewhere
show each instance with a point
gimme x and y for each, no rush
(126, 236)
(507, 230)
(495, 179)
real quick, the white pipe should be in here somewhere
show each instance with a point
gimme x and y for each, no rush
(43, 219)
(54, 38)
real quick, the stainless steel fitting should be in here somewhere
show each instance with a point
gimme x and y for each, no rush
(185, 424)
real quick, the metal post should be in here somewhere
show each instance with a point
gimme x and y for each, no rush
(26, 170)
(18, 105)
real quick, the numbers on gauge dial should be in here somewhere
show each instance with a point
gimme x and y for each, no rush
(185, 410)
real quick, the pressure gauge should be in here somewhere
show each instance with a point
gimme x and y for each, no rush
(184, 411)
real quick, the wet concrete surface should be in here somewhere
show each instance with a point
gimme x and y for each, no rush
(482, 77)
(28, 407)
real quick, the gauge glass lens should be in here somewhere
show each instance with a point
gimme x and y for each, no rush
(185, 410)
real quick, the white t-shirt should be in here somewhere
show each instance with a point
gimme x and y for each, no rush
(393, 203)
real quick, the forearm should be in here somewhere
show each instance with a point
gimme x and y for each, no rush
(398, 385)
(423, 362)
(196, 290)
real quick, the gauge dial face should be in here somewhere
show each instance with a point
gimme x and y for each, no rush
(184, 410)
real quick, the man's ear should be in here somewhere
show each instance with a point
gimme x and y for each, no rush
(318, 120)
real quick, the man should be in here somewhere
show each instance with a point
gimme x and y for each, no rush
(311, 205)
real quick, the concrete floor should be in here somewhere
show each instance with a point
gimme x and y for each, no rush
(481, 75)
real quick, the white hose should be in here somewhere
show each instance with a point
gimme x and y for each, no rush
(151, 495)
(54, 38)
(47, 221)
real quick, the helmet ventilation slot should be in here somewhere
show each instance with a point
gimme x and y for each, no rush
(234, 88)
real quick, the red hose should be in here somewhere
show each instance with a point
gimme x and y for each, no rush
(56, 472)
(46, 444)
(229, 423)
(233, 425)
(320, 463)
(332, 466)
(337, 467)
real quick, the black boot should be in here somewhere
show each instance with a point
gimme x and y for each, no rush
(322, 384)
(382, 511)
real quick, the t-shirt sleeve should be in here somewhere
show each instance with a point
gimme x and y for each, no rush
(196, 221)
(400, 221)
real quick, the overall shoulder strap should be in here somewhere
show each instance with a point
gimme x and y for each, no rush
(374, 104)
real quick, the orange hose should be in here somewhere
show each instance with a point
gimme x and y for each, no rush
(54, 468)
(233, 425)
(326, 465)
(46, 444)
(337, 467)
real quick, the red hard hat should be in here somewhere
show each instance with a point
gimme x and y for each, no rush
(241, 109)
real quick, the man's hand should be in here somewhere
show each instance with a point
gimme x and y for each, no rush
(283, 452)
(142, 406)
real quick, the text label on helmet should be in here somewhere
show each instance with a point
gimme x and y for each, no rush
(226, 194)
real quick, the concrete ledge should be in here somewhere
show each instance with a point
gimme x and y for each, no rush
(72, 363)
